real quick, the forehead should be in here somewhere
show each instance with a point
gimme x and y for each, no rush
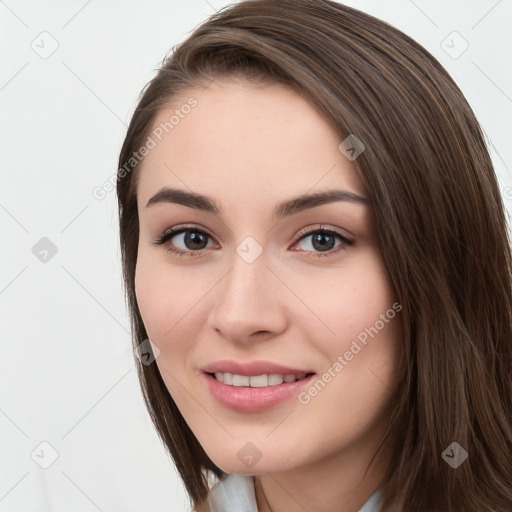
(242, 142)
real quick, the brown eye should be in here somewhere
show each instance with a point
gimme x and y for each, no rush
(190, 238)
(323, 241)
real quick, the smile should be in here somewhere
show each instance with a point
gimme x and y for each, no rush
(256, 381)
(255, 393)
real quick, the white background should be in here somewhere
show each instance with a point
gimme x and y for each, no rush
(67, 375)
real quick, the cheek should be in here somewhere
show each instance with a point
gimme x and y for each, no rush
(149, 290)
(164, 301)
(172, 305)
(363, 345)
(165, 309)
(350, 299)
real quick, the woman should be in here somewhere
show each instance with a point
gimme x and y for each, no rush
(314, 241)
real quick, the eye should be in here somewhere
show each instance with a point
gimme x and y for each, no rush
(322, 240)
(195, 240)
(192, 238)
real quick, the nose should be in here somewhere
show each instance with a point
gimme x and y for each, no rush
(249, 302)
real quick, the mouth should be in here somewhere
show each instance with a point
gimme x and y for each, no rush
(257, 381)
(255, 393)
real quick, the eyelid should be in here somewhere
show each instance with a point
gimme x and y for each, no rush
(169, 233)
(323, 227)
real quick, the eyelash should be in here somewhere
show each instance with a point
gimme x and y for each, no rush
(167, 235)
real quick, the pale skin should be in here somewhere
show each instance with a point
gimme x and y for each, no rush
(250, 148)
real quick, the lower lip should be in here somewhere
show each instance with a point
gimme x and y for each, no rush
(248, 399)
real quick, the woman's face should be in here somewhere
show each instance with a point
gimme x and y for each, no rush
(260, 290)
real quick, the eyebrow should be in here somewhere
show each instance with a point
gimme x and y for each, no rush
(282, 209)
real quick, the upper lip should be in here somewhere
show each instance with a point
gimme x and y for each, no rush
(252, 368)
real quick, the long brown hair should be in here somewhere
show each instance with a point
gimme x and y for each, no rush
(440, 223)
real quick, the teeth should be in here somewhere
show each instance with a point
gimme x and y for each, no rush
(241, 380)
(274, 379)
(256, 381)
